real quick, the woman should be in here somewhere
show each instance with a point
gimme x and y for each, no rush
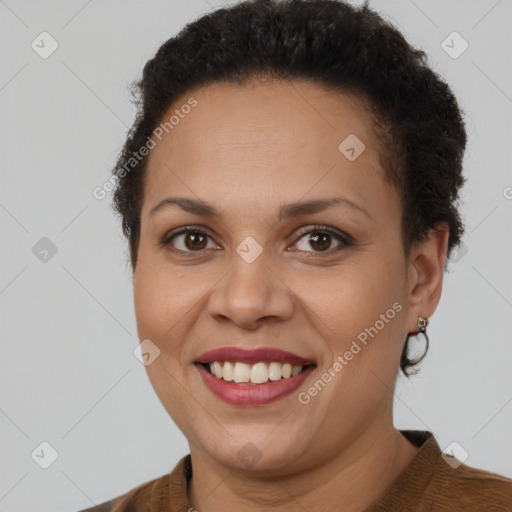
(289, 193)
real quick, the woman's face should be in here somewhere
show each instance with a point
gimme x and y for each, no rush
(254, 278)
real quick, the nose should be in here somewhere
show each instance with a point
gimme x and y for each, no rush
(250, 294)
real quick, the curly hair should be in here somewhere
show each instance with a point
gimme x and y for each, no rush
(416, 117)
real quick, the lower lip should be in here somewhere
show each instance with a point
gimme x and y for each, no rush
(252, 394)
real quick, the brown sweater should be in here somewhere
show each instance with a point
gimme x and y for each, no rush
(428, 483)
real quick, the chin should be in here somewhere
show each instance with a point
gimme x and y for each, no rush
(256, 455)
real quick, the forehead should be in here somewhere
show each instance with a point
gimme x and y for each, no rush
(265, 138)
(274, 111)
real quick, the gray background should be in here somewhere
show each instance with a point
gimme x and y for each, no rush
(68, 372)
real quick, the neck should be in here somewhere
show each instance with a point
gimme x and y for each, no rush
(349, 481)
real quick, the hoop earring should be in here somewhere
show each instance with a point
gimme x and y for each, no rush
(422, 329)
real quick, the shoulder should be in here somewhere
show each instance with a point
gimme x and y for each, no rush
(472, 489)
(155, 494)
(102, 507)
(134, 500)
(440, 482)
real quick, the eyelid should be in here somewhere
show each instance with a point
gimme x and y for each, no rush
(166, 240)
(345, 239)
(342, 237)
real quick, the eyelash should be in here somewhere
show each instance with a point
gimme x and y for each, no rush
(346, 240)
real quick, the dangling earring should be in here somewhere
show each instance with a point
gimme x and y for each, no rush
(422, 329)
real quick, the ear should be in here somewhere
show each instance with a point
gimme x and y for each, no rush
(426, 270)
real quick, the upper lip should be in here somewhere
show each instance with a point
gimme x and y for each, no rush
(252, 356)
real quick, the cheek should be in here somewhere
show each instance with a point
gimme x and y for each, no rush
(164, 312)
(150, 301)
(360, 312)
(354, 298)
(164, 298)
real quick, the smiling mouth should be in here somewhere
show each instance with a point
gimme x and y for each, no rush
(259, 373)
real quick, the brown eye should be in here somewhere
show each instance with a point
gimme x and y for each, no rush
(320, 239)
(187, 240)
(195, 240)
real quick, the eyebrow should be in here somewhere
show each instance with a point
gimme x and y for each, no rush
(204, 209)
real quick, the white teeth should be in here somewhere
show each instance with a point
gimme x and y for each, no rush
(227, 372)
(274, 371)
(218, 369)
(287, 370)
(242, 372)
(258, 373)
(296, 370)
